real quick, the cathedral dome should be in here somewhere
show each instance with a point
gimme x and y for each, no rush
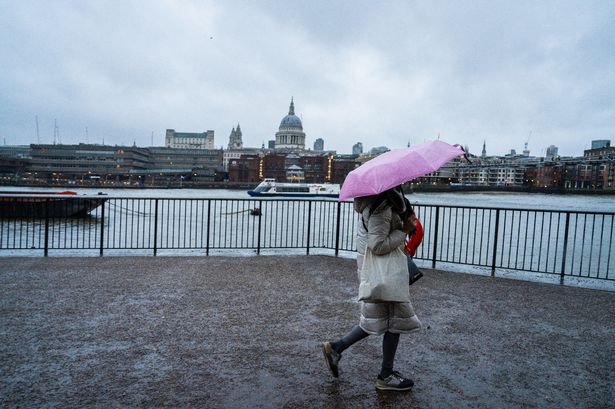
(290, 135)
(291, 120)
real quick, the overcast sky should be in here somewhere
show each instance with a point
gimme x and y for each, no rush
(377, 72)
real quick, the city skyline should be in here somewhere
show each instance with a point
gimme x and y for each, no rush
(381, 74)
(55, 138)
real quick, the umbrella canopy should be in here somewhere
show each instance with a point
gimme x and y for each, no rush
(398, 166)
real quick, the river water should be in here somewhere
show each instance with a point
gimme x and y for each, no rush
(538, 201)
(530, 237)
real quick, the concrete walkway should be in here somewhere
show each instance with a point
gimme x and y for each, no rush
(245, 332)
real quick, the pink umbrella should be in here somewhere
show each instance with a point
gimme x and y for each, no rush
(398, 166)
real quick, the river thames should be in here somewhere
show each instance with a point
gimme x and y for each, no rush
(538, 201)
(517, 234)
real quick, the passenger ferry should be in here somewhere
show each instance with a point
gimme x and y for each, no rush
(269, 187)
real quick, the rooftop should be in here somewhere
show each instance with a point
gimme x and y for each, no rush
(245, 332)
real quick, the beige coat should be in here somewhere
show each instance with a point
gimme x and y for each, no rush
(383, 235)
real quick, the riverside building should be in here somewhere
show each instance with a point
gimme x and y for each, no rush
(119, 165)
(189, 140)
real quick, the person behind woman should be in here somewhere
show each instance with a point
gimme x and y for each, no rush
(381, 230)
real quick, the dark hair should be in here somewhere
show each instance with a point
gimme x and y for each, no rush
(395, 197)
(408, 211)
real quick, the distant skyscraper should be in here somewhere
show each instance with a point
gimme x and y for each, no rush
(357, 148)
(234, 140)
(484, 153)
(319, 144)
(601, 143)
(271, 144)
(551, 151)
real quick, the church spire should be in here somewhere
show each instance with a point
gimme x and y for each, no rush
(291, 110)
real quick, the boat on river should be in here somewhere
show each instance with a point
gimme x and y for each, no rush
(30, 204)
(271, 188)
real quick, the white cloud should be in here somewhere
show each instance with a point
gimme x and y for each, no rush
(379, 73)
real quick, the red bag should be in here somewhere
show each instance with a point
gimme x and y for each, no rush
(412, 242)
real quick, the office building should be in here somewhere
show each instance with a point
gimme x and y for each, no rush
(601, 143)
(378, 150)
(357, 148)
(551, 151)
(189, 140)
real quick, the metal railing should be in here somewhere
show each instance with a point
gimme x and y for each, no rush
(564, 243)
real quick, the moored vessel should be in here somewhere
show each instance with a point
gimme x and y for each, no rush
(30, 204)
(269, 187)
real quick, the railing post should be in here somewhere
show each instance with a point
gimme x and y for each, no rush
(46, 251)
(337, 229)
(208, 226)
(435, 238)
(309, 227)
(258, 240)
(495, 241)
(563, 273)
(155, 227)
(102, 227)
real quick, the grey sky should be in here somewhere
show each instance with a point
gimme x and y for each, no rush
(378, 72)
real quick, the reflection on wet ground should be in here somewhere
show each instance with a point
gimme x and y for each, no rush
(245, 332)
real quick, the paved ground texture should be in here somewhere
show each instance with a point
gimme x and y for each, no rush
(245, 332)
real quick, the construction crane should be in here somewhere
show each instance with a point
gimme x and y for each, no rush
(526, 151)
(38, 136)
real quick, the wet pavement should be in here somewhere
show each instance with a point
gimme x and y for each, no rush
(244, 332)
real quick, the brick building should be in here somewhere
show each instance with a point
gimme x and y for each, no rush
(341, 165)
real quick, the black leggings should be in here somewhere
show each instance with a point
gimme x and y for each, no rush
(389, 347)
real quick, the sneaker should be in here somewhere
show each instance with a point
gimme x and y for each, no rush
(332, 357)
(394, 382)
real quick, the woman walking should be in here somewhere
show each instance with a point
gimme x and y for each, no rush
(382, 230)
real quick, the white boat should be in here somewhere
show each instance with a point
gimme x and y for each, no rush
(269, 187)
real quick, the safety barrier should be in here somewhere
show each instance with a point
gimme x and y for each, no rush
(564, 243)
